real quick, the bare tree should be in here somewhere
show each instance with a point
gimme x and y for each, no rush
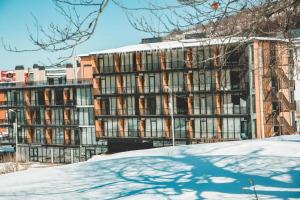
(81, 19)
(171, 19)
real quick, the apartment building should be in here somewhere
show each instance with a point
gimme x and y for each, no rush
(139, 96)
(199, 90)
(55, 114)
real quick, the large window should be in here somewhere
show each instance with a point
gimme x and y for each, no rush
(201, 130)
(231, 128)
(105, 108)
(154, 127)
(84, 96)
(175, 59)
(128, 106)
(106, 63)
(131, 127)
(88, 136)
(177, 81)
(108, 84)
(129, 83)
(127, 62)
(57, 116)
(151, 60)
(150, 105)
(152, 82)
(111, 127)
(182, 105)
(181, 127)
(207, 57)
(225, 80)
(113, 106)
(86, 116)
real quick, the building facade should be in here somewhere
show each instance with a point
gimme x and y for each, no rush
(217, 90)
(139, 96)
(55, 115)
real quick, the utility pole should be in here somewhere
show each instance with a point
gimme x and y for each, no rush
(15, 127)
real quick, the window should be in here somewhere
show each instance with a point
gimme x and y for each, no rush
(128, 105)
(154, 127)
(255, 128)
(176, 81)
(235, 79)
(108, 84)
(207, 57)
(180, 127)
(108, 64)
(132, 128)
(113, 105)
(253, 104)
(136, 103)
(129, 83)
(156, 61)
(127, 62)
(111, 127)
(105, 106)
(150, 105)
(182, 105)
(151, 83)
(58, 94)
(253, 79)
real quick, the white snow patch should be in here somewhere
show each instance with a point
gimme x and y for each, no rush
(205, 171)
(222, 180)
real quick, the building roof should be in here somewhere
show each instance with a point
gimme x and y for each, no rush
(180, 44)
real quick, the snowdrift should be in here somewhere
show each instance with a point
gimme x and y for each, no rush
(269, 169)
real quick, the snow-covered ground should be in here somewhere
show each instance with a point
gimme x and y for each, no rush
(206, 171)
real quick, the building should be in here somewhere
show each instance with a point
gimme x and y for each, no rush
(138, 96)
(297, 76)
(55, 114)
(220, 89)
(298, 116)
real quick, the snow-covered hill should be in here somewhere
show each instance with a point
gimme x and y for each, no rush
(207, 171)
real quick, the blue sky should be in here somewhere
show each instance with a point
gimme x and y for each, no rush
(15, 15)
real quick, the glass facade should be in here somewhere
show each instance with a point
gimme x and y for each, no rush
(53, 115)
(208, 102)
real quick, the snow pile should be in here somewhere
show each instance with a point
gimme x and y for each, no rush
(7, 167)
(229, 170)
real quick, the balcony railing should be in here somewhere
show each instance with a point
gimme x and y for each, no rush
(3, 121)
(45, 83)
(51, 122)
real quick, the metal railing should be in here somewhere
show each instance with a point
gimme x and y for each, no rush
(45, 83)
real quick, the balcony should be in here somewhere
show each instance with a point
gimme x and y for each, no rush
(3, 121)
(33, 84)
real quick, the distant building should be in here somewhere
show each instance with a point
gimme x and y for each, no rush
(55, 114)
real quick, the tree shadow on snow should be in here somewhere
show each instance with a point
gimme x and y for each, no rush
(169, 177)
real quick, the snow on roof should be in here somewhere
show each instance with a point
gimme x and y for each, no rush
(180, 44)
